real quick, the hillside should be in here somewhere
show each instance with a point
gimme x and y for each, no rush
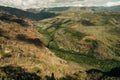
(23, 53)
(83, 32)
(86, 37)
(71, 45)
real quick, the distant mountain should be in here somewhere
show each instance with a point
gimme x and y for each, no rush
(35, 10)
(59, 9)
(113, 8)
(55, 9)
(25, 14)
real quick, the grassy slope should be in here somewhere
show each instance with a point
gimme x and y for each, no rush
(23, 55)
(64, 33)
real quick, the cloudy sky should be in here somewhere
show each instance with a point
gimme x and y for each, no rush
(56, 3)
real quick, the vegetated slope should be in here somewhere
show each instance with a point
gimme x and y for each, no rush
(85, 37)
(24, 56)
(90, 40)
(25, 14)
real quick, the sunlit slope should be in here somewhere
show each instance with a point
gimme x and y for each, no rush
(23, 53)
(86, 34)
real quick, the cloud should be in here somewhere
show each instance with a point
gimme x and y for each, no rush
(112, 3)
(55, 3)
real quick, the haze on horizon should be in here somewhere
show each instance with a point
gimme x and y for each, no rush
(24, 4)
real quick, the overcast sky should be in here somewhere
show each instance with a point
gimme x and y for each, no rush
(56, 3)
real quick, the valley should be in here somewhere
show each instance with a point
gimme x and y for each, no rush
(67, 44)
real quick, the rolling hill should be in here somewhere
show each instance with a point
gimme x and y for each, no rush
(86, 37)
(62, 44)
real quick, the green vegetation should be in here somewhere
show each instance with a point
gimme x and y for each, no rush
(16, 73)
(87, 23)
(95, 45)
(75, 34)
(106, 64)
(65, 36)
(116, 50)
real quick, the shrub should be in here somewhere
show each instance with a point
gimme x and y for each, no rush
(87, 23)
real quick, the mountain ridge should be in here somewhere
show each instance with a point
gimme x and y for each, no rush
(25, 14)
(93, 8)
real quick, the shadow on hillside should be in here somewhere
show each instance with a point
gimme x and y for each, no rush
(10, 18)
(35, 41)
(24, 14)
(87, 23)
(16, 73)
(94, 71)
(115, 72)
(95, 74)
(3, 34)
(67, 78)
(52, 77)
